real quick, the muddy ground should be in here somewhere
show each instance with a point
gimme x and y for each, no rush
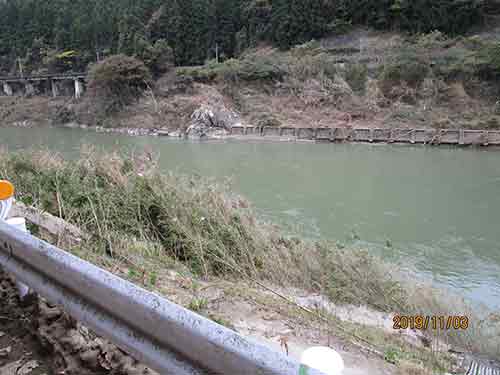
(39, 339)
(20, 350)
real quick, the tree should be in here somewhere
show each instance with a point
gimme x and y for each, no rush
(117, 81)
(224, 23)
(158, 57)
(299, 21)
(417, 16)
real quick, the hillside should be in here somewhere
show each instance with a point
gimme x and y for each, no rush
(430, 63)
(361, 78)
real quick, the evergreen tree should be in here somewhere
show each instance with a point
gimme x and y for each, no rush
(194, 28)
(298, 21)
(185, 27)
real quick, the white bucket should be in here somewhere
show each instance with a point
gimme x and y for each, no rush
(20, 224)
(323, 359)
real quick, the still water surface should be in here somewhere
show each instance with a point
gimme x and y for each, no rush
(439, 207)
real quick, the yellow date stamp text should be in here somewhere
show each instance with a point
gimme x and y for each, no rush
(432, 322)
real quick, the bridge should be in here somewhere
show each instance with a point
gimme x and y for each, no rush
(52, 84)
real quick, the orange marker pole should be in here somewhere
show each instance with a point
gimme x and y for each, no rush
(6, 190)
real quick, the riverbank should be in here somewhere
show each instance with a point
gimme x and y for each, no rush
(445, 137)
(146, 225)
(460, 137)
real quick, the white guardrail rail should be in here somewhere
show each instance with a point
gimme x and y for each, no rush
(167, 337)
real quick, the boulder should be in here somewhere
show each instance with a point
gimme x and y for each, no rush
(207, 119)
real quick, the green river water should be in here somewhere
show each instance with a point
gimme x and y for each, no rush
(439, 207)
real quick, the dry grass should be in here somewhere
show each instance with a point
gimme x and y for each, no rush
(135, 213)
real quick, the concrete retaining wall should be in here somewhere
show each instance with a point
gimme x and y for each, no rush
(288, 132)
(450, 137)
(305, 133)
(474, 137)
(382, 135)
(402, 135)
(416, 136)
(362, 135)
(271, 131)
(494, 137)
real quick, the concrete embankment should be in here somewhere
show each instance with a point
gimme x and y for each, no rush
(459, 137)
(382, 135)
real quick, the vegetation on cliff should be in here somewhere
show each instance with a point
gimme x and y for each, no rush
(63, 35)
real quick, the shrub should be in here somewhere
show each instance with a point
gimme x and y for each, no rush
(413, 73)
(488, 61)
(431, 40)
(312, 47)
(317, 66)
(253, 68)
(454, 64)
(117, 81)
(471, 58)
(58, 62)
(356, 76)
(408, 68)
(158, 57)
(250, 68)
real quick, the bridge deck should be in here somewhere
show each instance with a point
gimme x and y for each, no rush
(44, 77)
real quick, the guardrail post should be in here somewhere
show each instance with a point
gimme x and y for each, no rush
(7, 89)
(486, 138)
(334, 134)
(54, 88)
(78, 88)
(30, 88)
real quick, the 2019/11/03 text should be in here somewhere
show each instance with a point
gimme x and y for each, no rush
(434, 322)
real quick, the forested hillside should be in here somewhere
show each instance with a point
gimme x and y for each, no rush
(62, 35)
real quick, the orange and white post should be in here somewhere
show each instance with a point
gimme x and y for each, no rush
(7, 192)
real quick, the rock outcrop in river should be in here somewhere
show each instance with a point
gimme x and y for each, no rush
(209, 119)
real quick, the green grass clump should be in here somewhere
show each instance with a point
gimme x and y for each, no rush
(250, 68)
(193, 220)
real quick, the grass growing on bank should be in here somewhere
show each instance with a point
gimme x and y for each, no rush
(127, 206)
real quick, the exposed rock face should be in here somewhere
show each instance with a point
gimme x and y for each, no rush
(209, 119)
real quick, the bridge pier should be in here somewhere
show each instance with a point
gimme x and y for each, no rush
(7, 89)
(78, 88)
(30, 89)
(54, 88)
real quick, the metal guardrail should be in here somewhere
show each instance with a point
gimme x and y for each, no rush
(162, 335)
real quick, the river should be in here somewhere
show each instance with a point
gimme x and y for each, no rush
(438, 207)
